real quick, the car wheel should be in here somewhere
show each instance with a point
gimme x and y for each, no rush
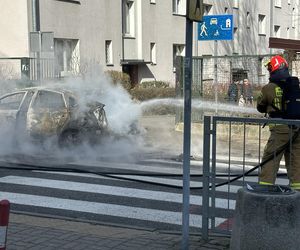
(70, 138)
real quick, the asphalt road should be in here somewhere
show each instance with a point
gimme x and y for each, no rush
(80, 187)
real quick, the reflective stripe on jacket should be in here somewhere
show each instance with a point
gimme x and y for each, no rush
(270, 99)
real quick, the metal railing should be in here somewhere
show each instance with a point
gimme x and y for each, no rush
(232, 147)
(28, 69)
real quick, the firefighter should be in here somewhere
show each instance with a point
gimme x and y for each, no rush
(270, 102)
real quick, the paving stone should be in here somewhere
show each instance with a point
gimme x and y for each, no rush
(28, 233)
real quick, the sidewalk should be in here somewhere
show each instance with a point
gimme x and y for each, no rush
(40, 233)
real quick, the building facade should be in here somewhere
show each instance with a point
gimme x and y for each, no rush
(139, 37)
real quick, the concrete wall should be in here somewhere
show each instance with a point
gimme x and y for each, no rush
(14, 28)
(94, 21)
(165, 29)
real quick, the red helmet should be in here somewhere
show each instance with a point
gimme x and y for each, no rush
(275, 63)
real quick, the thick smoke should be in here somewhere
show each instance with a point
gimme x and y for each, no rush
(122, 114)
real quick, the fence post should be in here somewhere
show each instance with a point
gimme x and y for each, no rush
(205, 183)
(4, 217)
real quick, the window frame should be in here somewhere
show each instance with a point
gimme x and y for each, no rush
(261, 25)
(109, 60)
(277, 31)
(207, 9)
(235, 40)
(294, 17)
(8, 105)
(39, 97)
(179, 7)
(153, 53)
(129, 18)
(277, 3)
(248, 18)
(70, 1)
(235, 4)
(178, 50)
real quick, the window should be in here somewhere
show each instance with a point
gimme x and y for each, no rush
(248, 19)
(49, 100)
(129, 17)
(293, 18)
(288, 33)
(261, 24)
(70, 1)
(108, 52)
(179, 7)
(226, 10)
(72, 102)
(178, 50)
(260, 66)
(277, 3)
(67, 57)
(276, 31)
(207, 9)
(12, 102)
(153, 1)
(235, 4)
(153, 53)
(235, 41)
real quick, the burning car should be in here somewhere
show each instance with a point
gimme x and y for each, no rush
(40, 113)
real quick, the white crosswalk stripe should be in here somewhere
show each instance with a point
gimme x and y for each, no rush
(55, 185)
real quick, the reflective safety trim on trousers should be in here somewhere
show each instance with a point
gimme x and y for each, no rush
(265, 183)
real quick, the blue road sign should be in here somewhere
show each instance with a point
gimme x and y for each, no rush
(217, 27)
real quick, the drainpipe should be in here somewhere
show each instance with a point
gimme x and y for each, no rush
(271, 20)
(123, 29)
(36, 15)
(37, 28)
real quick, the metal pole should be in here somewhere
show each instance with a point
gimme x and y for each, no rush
(206, 169)
(187, 133)
(216, 73)
(38, 28)
(271, 20)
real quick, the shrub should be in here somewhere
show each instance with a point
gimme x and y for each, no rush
(154, 90)
(120, 77)
(154, 84)
(143, 94)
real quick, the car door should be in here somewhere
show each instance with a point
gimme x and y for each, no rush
(10, 106)
(47, 113)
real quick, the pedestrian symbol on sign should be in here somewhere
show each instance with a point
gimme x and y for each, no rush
(203, 29)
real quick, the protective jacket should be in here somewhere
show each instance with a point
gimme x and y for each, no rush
(270, 99)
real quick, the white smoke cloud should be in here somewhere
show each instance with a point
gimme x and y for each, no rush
(121, 112)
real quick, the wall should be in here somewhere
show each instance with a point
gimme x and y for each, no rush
(14, 28)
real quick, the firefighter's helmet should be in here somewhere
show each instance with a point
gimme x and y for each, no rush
(276, 63)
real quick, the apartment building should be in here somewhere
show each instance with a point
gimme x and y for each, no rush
(140, 37)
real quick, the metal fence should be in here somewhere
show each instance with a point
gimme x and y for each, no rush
(27, 69)
(212, 75)
(232, 146)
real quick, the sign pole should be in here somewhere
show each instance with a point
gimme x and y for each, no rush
(187, 133)
(216, 73)
(194, 12)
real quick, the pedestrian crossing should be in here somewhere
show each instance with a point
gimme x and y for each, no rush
(101, 199)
